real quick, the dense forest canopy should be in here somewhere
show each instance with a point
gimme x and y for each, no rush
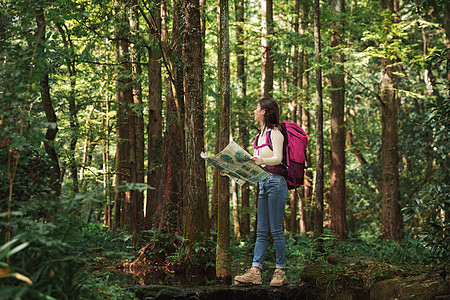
(106, 106)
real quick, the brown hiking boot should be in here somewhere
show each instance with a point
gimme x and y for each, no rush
(279, 278)
(250, 276)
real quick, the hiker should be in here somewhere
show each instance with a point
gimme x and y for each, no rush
(273, 192)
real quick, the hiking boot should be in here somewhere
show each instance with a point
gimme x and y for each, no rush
(279, 278)
(250, 276)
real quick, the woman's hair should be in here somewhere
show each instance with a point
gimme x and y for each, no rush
(272, 115)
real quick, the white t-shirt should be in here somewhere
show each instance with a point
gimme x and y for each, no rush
(264, 155)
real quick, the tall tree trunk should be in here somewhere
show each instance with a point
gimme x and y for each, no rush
(267, 59)
(218, 111)
(391, 220)
(73, 120)
(223, 257)
(303, 82)
(155, 120)
(215, 186)
(195, 202)
(136, 128)
(107, 221)
(47, 104)
(124, 98)
(338, 223)
(318, 219)
(170, 189)
(295, 202)
(242, 108)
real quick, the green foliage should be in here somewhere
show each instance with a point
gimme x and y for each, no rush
(5, 253)
(430, 204)
(172, 253)
(57, 258)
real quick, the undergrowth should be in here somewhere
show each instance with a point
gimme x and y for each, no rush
(60, 261)
(70, 259)
(372, 257)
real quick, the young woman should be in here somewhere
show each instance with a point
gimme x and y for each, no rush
(273, 192)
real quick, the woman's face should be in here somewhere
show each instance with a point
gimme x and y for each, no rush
(259, 114)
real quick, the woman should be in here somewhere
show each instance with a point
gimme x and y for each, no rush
(273, 192)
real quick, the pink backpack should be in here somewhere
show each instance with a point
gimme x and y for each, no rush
(294, 153)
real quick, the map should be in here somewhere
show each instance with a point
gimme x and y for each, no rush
(235, 162)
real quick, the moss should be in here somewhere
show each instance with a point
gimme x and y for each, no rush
(366, 278)
(411, 288)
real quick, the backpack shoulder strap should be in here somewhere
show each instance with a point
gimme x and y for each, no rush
(267, 143)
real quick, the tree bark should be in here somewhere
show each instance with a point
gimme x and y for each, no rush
(107, 220)
(337, 207)
(195, 202)
(136, 128)
(391, 220)
(303, 82)
(155, 120)
(266, 50)
(318, 219)
(170, 189)
(124, 96)
(242, 108)
(223, 257)
(47, 104)
(235, 201)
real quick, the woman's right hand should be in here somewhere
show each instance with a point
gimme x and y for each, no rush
(257, 159)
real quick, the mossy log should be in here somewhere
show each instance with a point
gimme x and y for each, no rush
(238, 292)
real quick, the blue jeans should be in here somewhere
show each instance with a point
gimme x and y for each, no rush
(273, 193)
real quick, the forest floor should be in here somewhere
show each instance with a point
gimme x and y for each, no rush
(337, 278)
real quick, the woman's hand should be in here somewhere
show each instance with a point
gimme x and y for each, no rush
(257, 159)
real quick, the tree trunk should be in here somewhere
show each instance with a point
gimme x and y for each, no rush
(303, 82)
(235, 201)
(124, 98)
(295, 202)
(242, 108)
(73, 120)
(215, 187)
(137, 129)
(195, 202)
(47, 104)
(267, 59)
(447, 34)
(337, 215)
(107, 220)
(223, 258)
(170, 189)
(318, 219)
(391, 220)
(155, 120)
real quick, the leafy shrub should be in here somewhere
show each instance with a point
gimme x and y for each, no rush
(429, 205)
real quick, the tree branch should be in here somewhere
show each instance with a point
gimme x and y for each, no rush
(362, 84)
